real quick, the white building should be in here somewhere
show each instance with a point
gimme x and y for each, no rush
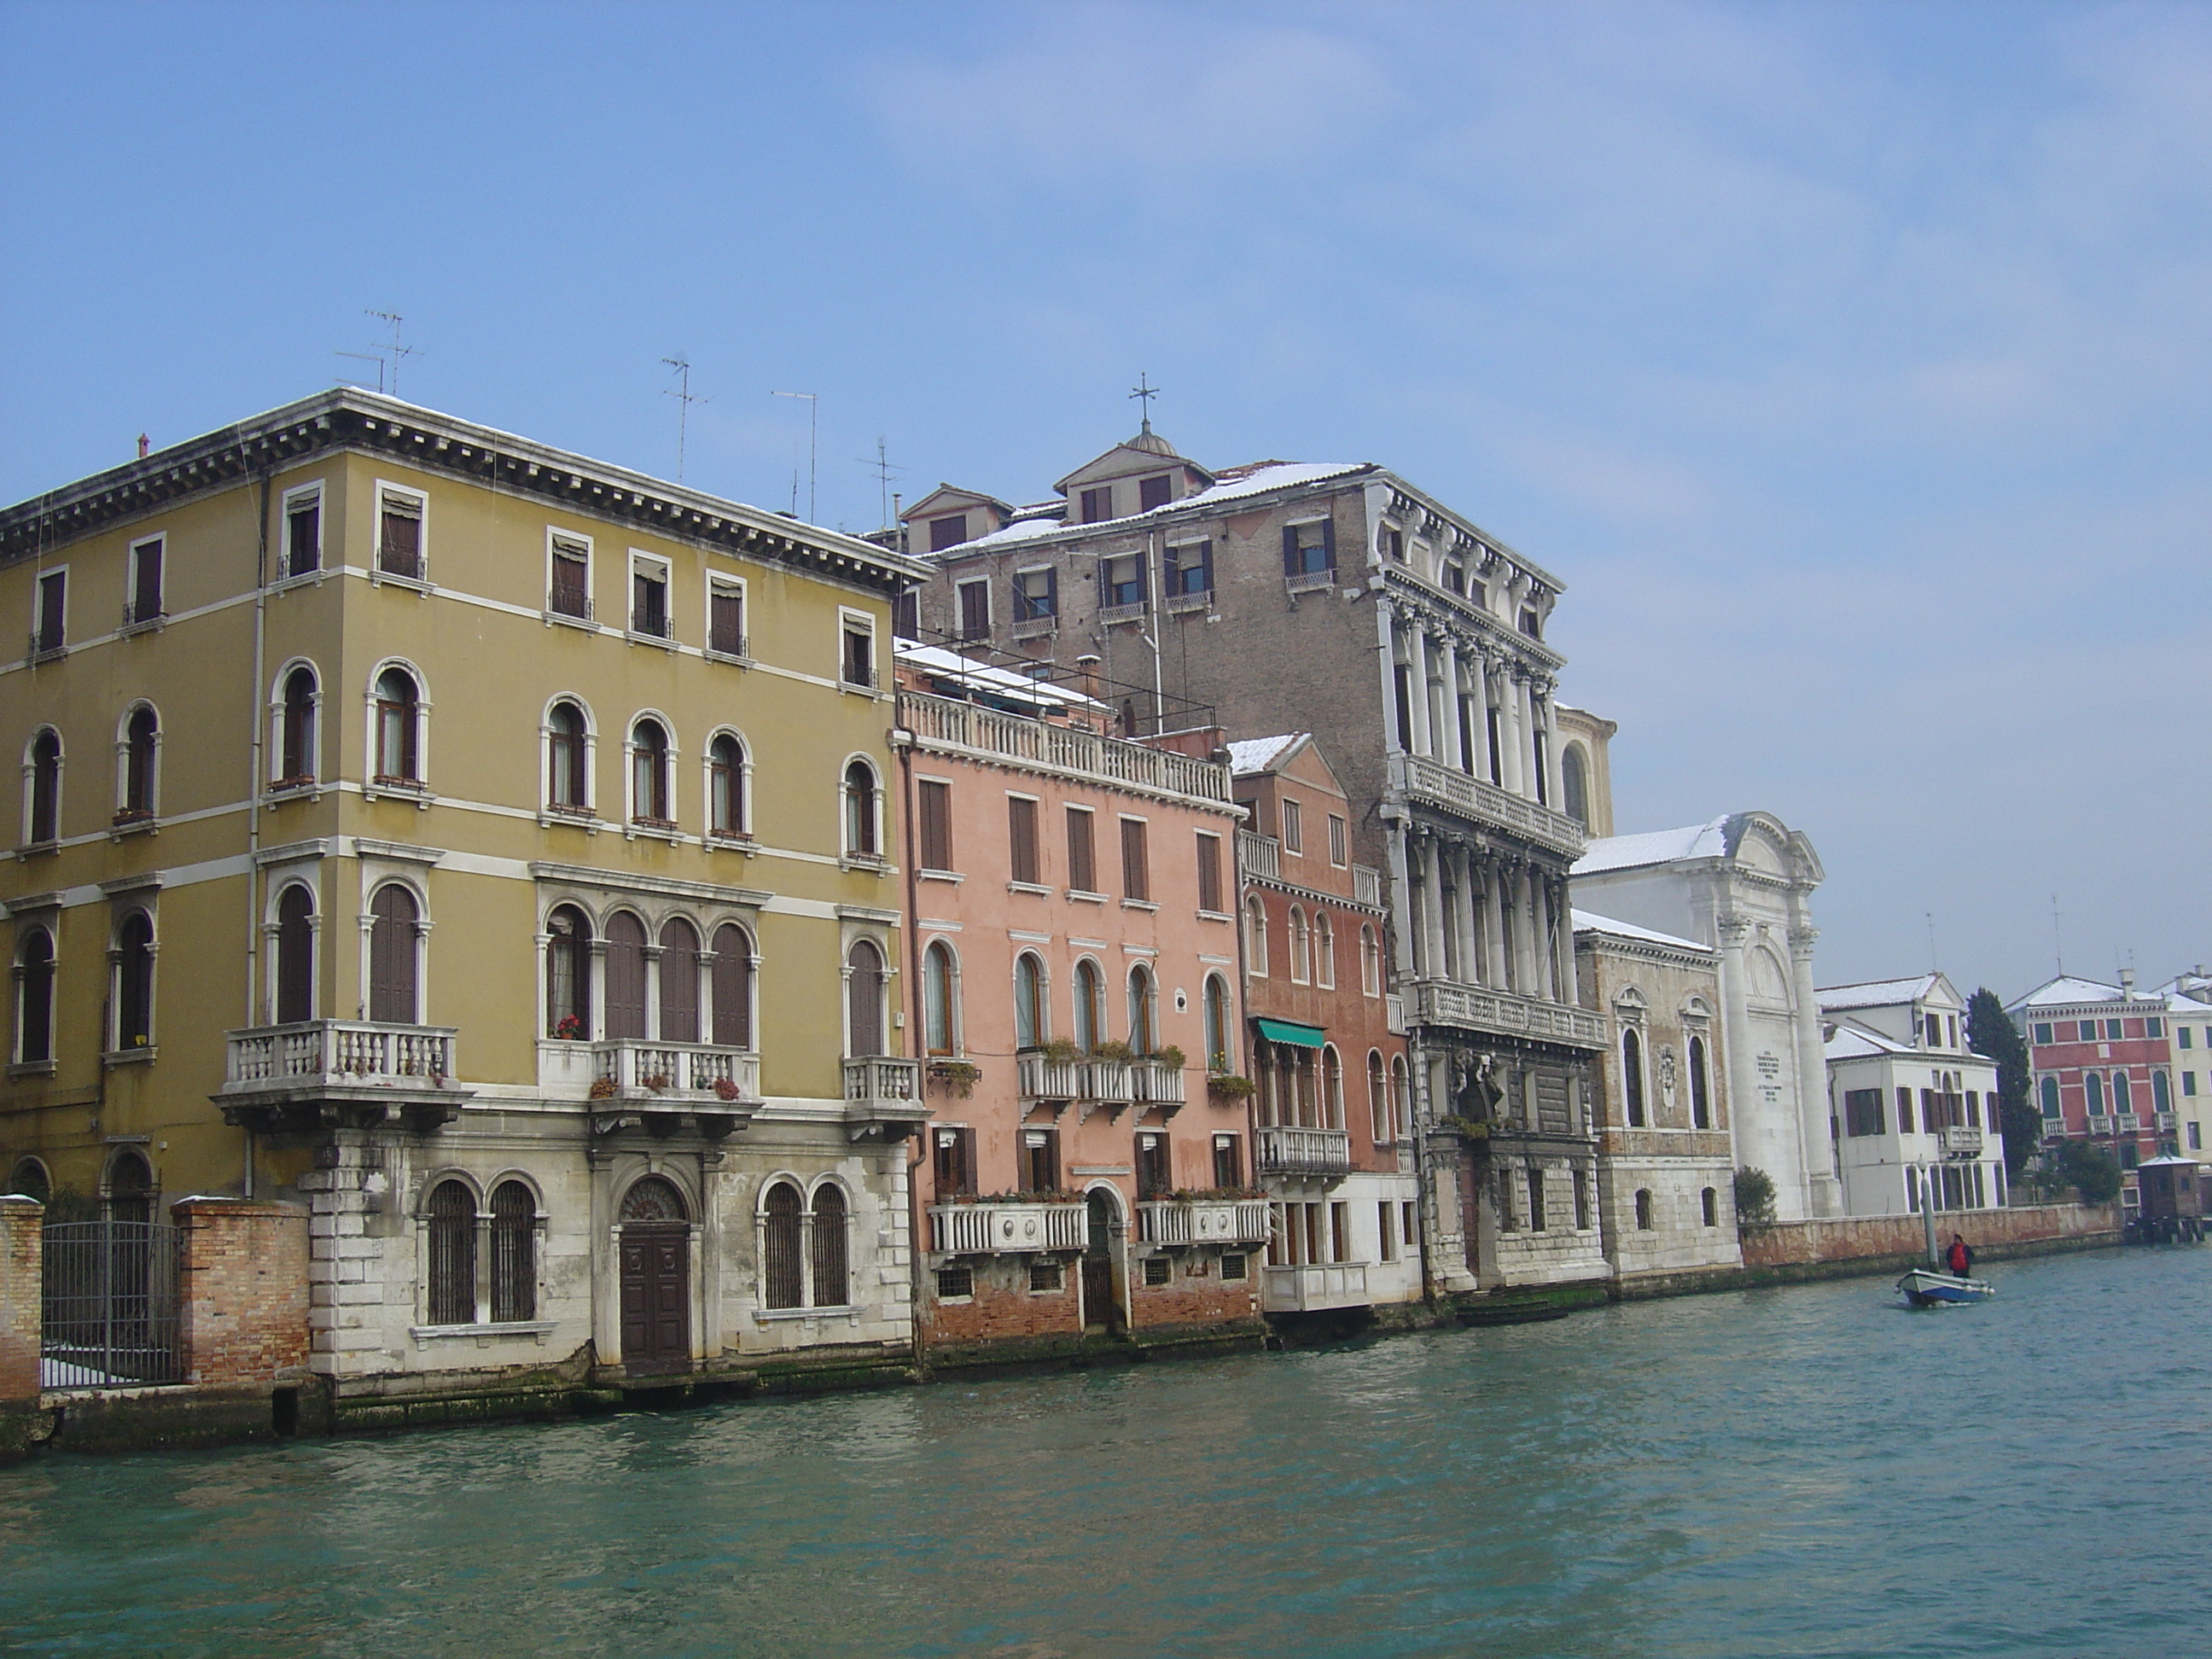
(1908, 1100)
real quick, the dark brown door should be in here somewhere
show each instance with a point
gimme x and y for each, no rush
(1099, 1311)
(656, 1323)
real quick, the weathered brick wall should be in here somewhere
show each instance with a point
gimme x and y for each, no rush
(1003, 1306)
(1791, 1242)
(20, 1221)
(242, 1290)
(1195, 1293)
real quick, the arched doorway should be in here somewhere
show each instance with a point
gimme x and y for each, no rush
(1101, 1311)
(656, 1290)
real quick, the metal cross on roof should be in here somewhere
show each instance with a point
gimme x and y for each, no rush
(1145, 393)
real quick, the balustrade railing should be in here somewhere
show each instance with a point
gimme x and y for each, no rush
(1084, 754)
(1961, 1141)
(664, 1068)
(1010, 1228)
(1477, 799)
(1039, 1076)
(1259, 855)
(1159, 1084)
(338, 1051)
(1289, 1149)
(1203, 1221)
(1367, 886)
(1108, 1080)
(883, 1077)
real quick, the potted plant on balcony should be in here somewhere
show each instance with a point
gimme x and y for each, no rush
(569, 1030)
(659, 1082)
(726, 1088)
(1061, 1051)
(603, 1088)
(958, 1076)
(1114, 1054)
(1226, 1088)
(1170, 1057)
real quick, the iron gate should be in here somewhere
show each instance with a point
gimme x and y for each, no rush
(109, 1313)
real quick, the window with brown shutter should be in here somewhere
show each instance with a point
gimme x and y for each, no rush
(303, 534)
(571, 579)
(648, 610)
(295, 956)
(1155, 1166)
(1041, 1160)
(1082, 864)
(934, 810)
(391, 988)
(146, 580)
(399, 537)
(1098, 504)
(1155, 492)
(1209, 873)
(955, 1164)
(732, 987)
(726, 621)
(1136, 871)
(625, 975)
(1023, 863)
(975, 609)
(53, 605)
(948, 531)
(1228, 1162)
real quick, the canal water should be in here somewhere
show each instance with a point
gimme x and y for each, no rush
(1806, 1470)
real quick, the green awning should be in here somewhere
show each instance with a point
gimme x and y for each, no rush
(1289, 1031)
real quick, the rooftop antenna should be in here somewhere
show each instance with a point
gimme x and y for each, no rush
(684, 399)
(813, 408)
(2057, 938)
(398, 350)
(884, 469)
(365, 357)
(1933, 965)
(1144, 393)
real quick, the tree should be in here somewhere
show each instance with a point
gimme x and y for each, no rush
(2090, 1169)
(1755, 1198)
(1990, 1033)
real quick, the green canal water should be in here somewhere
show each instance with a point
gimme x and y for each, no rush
(1797, 1471)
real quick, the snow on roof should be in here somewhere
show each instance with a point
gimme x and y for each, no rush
(1694, 840)
(939, 663)
(1247, 755)
(2067, 988)
(1875, 993)
(1021, 530)
(1856, 1043)
(1274, 475)
(1588, 921)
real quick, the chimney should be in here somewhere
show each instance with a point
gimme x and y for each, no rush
(2127, 982)
(1086, 674)
(144, 444)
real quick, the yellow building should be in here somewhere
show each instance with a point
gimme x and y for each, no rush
(487, 846)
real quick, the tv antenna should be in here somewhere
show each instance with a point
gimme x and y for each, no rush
(1933, 965)
(1144, 393)
(883, 469)
(2057, 938)
(813, 408)
(384, 355)
(684, 398)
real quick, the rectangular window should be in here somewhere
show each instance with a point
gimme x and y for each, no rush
(1157, 1270)
(1037, 595)
(1582, 1202)
(2043, 1032)
(1294, 833)
(570, 591)
(975, 608)
(2153, 1027)
(1535, 1200)
(303, 530)
(1386, 1228)
(1121, 580)
(1136, 870)
(400, 534)
(1308, 549)
(1904, 1111)
(1155, 492)
(1041, 1160)
(2112, 1031)
(1456, 579)
(2089, 1031)
(859, 666)
(2196, 1141)
(1408, 1221)
(1023, 864)
(726, 619)
(955, 1163)
(1232, 1266)
(1082, 863)
(1862, 1112)
(1209, 873)
(1187, 569)
(1045, 1275)
(1973, 1109)
(955, 1284)
(2181, 1034)
(948, 531)
(1340, 850)
(906, 615)
(53, 609)
(1155, 1166)
(146, 579)
(934, 813)
(1228, 1162)
(648, 598)
(1340, 1231)
(1098, 504)
(2189, 1083)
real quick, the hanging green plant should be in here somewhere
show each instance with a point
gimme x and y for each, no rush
(1226, 1085)
(958, 1076)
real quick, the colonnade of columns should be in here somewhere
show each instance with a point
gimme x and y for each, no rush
(1456, 687)
(1479, 915)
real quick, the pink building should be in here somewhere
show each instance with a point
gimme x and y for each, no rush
(1070, 897)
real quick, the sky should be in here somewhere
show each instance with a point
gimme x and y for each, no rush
(1848, 363)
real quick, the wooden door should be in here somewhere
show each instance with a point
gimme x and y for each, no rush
(1100, 1311)
(656, 1321)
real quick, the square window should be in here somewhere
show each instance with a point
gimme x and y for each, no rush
(2043, 1033)
(1098, 504)
(955, 1284)
(1308, 549)
(2089, 1031)
(2153, 1027)
(1187, 569)
(1037, 595)
(1121, 580)
(1158, 1270)
(948, 531)
(1155, 492)
(1232, 1266)
(1045, 1276)
(2112, 1031)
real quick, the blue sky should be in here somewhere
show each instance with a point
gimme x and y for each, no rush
(1849, 363)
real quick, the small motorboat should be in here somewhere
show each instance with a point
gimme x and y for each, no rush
(1924, 1287)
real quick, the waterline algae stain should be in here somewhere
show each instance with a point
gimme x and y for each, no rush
(1801, 1470)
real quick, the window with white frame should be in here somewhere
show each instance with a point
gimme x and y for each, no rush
(568, 575)
(652, 755)
(567, 758)
(725, 618)
(397, 715)
(299, 704)
(145, 604)
(729, 793)
(401, 549)
(857, 650)
(42, 788)
(303, 530)
(139, 749)
(648, 597)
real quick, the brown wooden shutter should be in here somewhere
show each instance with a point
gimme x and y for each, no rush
(400, 552)
(865, 999)
(392, 957)
(53, 596)
(733, 988)
(934, 804)
(1136, 875)
(295, 965)
(1081, 865)
(306, 552)
(726, 623)
(571, 589)
(1022, 840)
(1209, 873)
(679, 981)
(146, 595)
(625, 970)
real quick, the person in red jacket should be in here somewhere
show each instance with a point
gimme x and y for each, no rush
(1960, 1258)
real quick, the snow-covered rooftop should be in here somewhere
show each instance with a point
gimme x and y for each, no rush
(940, 663)
(1588, 921)
(1275, 475)
(2067, 988)
(1695, 840)
(1876, 992)
(1856, 1043)
(1249, 755)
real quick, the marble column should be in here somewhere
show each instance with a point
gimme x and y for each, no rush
(1823, 1191)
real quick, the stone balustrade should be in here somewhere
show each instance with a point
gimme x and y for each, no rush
(1203, 1221)
(992, 1228)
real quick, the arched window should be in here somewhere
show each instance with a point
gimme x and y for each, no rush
(1370, 961)
(829, 1249)
(1710, 1200)
(31, 1179)
(1332, 1089)
(1028, 1001)
(453, 1255)
(1144, 1010)
(783, 1266)
(568, 974)
(513, 1254)
(399, 728)
(142, 736)
(1399, 1087)
(648, 773)
(679, 980)
(1642, 1210)
(2049, 1090)
(733, 988)
(130, 1195)
(725, 786)
(1255, 936)
(2123, 1103)
(939, 1032)
(1089, 1007)
(295, 742)
(45, 787)
(1298, 933)
(1378, 1099)
(861, 836)
(625, 976)
(134, 981)
(1324, 948)
(392, 933)
(1574, 785)
(35, 996)
(864, 998)
(2095, 1086)
(568, 770)
(1217, 1058)
(295, 954)
(1701, 1099)
(1631, 1076)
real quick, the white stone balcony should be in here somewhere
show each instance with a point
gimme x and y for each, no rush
(1367, 886)
(1961, 1141)
(1009, 1229)
(883, 1098)
(1429, 783)
(2100, 1125)
(1108, 1080)
(1259, 855)
(693, 1073)
(1039, 1076)
(1314, 1288)
(1504, 1013)
(1159, 1083)
(1287, 1149)
(2163, 1121)
(365, 1066)
(1203, 1220)
(963, 727)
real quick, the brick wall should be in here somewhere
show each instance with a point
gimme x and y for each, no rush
(1003, 1305)
(242, 1290)
(20, 1221)
(1792, 1242)
(1195, 1293)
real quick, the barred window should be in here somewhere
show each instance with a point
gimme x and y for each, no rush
(830, 1277)
(453, 1255)
(513, 1254)
(786, 1285)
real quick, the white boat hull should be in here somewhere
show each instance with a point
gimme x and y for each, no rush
(1924, 1287)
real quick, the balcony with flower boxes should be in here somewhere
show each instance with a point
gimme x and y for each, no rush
(1314, 1288)
(1043, 1079)
(883, 1098)
(1160, 1083)
(1172, 1222)
(299, 1074)
(1290, 1149)
(1010, 1227)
